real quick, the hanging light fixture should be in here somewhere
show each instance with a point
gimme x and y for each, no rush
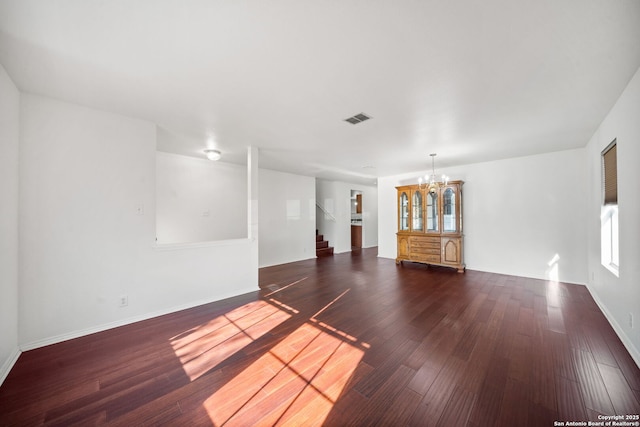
(431, 181)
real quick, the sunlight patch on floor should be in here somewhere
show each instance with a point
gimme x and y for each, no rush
(202, 348)
(296, 383)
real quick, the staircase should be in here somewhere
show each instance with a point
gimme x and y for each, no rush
(322, 246)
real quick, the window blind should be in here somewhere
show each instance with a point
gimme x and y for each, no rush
(610, 174)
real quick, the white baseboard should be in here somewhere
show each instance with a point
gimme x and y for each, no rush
(106, 326)
(8, 365)
(633, 351)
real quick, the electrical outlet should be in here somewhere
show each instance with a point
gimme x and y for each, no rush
(631, 320)
(124, 300)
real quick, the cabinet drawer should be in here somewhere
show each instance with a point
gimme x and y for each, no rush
(425, 251)
(425, 242)
(431, 251)
(425, 258)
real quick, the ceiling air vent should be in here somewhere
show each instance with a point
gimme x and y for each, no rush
(358, 118)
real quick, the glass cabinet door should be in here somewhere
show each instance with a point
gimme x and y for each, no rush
(417, 212)
(432, 211)
(449, 206)
(404, 212)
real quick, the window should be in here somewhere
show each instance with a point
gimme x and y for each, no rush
(609, 211)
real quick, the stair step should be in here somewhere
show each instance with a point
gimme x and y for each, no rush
(323, 244)
(324, 251)
(319, 237)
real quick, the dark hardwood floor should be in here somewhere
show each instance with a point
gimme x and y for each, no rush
(339, 341)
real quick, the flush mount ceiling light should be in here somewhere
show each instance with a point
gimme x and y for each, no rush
(213, 154)
(431, 181)
(358, 118)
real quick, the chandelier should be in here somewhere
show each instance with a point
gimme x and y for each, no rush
(431, 181)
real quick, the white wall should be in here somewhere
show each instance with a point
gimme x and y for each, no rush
(9, 137)
(518, 214)
(369, 216)
(198, 200)
(84, 241)
(287, 217)
(618, 297)
(335, 198)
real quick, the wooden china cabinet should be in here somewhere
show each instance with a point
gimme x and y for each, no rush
(430, 225)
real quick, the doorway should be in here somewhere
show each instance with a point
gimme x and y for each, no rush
(356, 220)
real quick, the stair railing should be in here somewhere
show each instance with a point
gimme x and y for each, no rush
(326, 212)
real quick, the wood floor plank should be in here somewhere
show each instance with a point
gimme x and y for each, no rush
(467, 342)
(556, 320)
(570, 402)
(423, 379)
(403, 406)
(539, 415)
(625, 363)
(599, 348)
(543, 386)
(521, 359)
(439, 346)
(594, 392)
(487, 307)
(562, 356)
(526, 324)
(348, 340)
(478, 365)
(149, 416)
(486, 409)
(436, 343)
(456, 413)
(342, 413)
(436, 398)
(514, 406)
(622, 397)
(372, 382)
(379, 404)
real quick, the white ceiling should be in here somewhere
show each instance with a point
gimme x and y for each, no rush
(470, 80)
